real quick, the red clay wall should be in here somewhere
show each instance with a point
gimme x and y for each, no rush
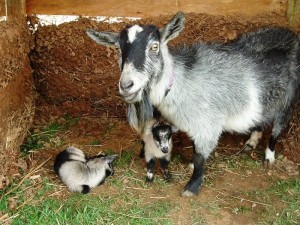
(16, 95)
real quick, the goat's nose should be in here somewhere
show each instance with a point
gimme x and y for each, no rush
(164, 149)
(126, 85)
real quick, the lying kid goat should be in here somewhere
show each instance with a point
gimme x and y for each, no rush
(80, 173)
(205, 89)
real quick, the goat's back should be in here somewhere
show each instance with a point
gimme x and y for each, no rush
(243, 82)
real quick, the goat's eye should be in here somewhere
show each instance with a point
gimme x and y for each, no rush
(154, 47)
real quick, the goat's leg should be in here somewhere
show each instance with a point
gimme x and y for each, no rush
(254, 139)
(150, 168)
(142, 152)
(280, 122)
(203, 146)
(164, 163)
(192, 187)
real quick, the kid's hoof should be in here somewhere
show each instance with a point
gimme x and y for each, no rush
(187, 193)
(149, 180)
(142, 154)
(268, 164)
(168, 177)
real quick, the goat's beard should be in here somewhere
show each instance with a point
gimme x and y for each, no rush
(140, 112)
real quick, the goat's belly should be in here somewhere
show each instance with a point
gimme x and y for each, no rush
(241, 123)
(248, 116)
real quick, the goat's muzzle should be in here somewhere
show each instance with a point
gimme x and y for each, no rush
(165, 149)
(130, 96)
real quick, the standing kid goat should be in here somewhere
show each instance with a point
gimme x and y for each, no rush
(157, 144)
(206, 89)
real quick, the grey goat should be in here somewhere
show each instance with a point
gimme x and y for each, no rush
(205, 89)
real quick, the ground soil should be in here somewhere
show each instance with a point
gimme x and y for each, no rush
(16, 95)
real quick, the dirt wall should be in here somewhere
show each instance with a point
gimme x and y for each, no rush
(16, 93)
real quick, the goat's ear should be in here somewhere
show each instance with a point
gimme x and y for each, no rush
(110, 158)
(173, 28)
(103, 38)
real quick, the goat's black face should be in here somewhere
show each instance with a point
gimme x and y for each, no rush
(134, 41)
(162, 134)
(140, 60)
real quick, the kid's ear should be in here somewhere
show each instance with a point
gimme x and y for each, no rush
(103, 38)
(111, 158)
(173, 28)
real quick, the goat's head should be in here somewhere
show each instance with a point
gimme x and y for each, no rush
(140, 54)
(162, 135)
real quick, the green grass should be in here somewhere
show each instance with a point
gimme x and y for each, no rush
(127, 206)
(125, 158)
(120, 208)
(95, 142)
(38, 139)
(288, 192)
(71, 121)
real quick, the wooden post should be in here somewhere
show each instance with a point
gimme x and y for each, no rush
(293, 14)
(15, 9)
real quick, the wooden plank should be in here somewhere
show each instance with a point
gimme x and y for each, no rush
(15, 9)
(293, 14)
(145, 8)
(2, 8)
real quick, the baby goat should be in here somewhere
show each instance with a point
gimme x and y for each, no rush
(157, 144)
(205, 89)
(81, 174)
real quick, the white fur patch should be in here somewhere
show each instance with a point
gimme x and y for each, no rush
(270, 156)
(247, 118)
(191, 166)
(149, 175)
(133, 31)
(76, 154)
(254, 139)
(139, 80)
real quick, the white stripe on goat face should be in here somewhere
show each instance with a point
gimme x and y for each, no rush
(133, 31)
(138, 66)
(139, 80)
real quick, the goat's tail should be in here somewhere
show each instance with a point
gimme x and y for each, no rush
(293, 87)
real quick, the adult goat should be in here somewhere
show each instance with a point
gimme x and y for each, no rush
(206, 89)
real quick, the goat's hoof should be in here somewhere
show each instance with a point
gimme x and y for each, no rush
(248, 147)
(187, 193)
(191, 167)
(268, 164)
(149, 180)
(168, 177)
(142, 154)
(269, 158)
